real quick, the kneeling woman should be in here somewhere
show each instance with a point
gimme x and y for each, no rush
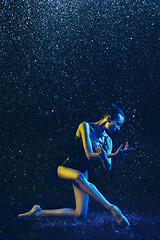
(92, 143)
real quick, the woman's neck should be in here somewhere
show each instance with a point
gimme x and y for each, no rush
(99, 126)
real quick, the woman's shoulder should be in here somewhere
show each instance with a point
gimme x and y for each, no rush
(84, 124)
(84, 127)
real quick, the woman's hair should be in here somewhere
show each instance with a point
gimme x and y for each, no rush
(113, 111)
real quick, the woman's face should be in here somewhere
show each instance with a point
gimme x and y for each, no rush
(115, 124)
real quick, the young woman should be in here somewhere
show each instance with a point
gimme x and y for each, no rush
(92, 143)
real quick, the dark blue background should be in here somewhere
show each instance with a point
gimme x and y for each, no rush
(64, 62)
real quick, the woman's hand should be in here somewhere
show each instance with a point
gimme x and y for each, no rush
(103, 156)
(121, 150)
(100, 151)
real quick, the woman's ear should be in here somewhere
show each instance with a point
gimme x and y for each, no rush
(108, 118)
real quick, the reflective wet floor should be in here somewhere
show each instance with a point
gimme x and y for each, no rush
(98, 225)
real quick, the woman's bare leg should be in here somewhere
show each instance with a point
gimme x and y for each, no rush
(82, 188)
(86, 186)
(92, 191)
(81, 200)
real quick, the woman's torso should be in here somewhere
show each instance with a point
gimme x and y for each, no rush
(103, 139)
(77, 158)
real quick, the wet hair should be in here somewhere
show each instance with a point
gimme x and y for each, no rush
(113, 111)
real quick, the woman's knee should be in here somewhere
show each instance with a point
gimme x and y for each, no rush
(80, 214)
(80, 177)
(59, 169)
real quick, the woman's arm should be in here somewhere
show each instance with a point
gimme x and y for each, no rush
(121, 151)
(105, 158)
(85, 135)
(100, 155)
